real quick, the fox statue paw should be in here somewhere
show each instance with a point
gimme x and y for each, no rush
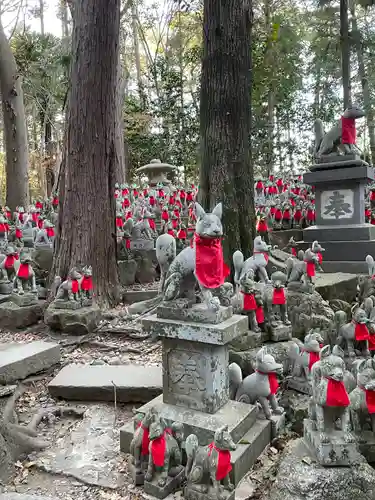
(213, 303)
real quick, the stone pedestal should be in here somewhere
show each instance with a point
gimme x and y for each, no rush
(142, 244)
(340, 214)
(196, 380)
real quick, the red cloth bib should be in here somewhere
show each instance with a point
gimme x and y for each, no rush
(165, 215)
(55, 201)
(297, 215)
(310, 268)
(370, 400)
(145, 439)
(23, 271)
(171, 232)
(50, 232)
(9, 261)
(262, 226)
(286, 215)
(119, 222)
(127, 243)
(152, 224)
(18, 233)
(259, 313)
(336, 394)
(348, 132)
(313, 358)
(75, 286)
(294, 252)
(223, 466)
(20, 217)
(272, 380)
(259, 186)
(174, 223)
(320, 257)
(86, 284)
(265, 255)
(209, 261)
(158, 447)
(40, 223)
(181, 235)
(2, 228)
(361, 332)
(34, 216)
(38, 204)
(278, 215)
(278, 297)
(249, 303)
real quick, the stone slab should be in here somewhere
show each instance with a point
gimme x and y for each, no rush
(366, 445)
(281, 333)
(6, 288)
(339, 173)
(28, 299)
(24, 496)
(238, 416)
(142, 244)
(219, 334)
(334, 158)
(248, 340)
(75, 322)
(172, 485)
(134, 383)
(14, 317)
(348, 232)
(346, 250)
(21, 360)
(88, 452)
(340, 285)
(67, 304)
(300, 385)
(338, 163)
(250, 446)
(198, 313)
(191, 494)
(132, 296)
(336, 453)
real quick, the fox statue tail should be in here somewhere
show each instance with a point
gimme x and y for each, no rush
(319, 134)
(238, 261)
(235, 379)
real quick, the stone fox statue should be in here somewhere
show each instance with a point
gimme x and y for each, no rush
(201, 262)
(342, 136)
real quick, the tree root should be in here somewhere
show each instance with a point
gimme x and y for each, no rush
(17, 440)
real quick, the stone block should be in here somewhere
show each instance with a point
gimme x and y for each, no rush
(300, 384)
(173, 484)
(18, 361)
(342, 286)
(6, 288)
(250, 446)
(126, 271)
(248, 340)
(43, 257)
(75, 322)
(180, 310)
(195, 374)
(219, 334)
(15, 317)
(366, 445)
(28, 299)
(132, 296)
(142, 244)
(277, 425)
(24, 496)
(134, 383)
(281, 333)
(238, 416)
(192, 494)
(336, 453)
(72, 305)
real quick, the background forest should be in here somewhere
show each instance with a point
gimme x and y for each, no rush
(296, 77)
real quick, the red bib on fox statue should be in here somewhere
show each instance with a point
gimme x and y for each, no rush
(210, 268)
(348, 131)
(223, 466)
(336, 393)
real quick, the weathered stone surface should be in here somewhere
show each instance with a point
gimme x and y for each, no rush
(126, 271)
(238, 416)
(132, 296)
(145, 269)
(173, 484)
(24, 496)
(281, 238)
(180, 310)
(14, 317)
(134, 383)
(305, 480)
(6, 288)
(142, 244)
(308, 311)
(248, 340)
(220, 334)
(28, 299)
(280, 333)
(88, 452)
(21, 360)
(341, 286)
(7, 390)
(43, 257)
(76, 322)
(191, 494)
(296, 409)
(246, 359)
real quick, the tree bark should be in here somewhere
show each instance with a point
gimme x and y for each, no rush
(15, 132)
(137, 55)
(364, 80)
(345, 52)
(41, 15)
(86, 225)
(119, 126)
(226, 172)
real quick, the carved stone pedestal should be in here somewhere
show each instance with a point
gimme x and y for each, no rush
(196, 381)
(138, 478)
(27, 299)
(173, 483)
(300, 384)
(194, 494)
(335, 453)
(280, 332)
(366, 445)
(340, 214)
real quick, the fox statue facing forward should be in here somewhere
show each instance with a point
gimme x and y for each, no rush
(202, 262)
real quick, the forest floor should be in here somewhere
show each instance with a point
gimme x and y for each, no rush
(102, 468)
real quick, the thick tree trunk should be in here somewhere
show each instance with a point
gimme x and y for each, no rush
(137, 55)
(41, 15)
(364, 81)
(345, 52)
(17, 183)
(87, 220)
(226, 172)
(119, 126)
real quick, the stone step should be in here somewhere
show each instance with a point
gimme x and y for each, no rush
(238, 416)
(18, 361)
(132, 296)
(134, 383)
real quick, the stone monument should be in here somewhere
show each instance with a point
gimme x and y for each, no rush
(340, 177)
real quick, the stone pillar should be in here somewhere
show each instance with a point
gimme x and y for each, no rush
(340, 219)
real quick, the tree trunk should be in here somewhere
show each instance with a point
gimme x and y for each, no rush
(137, 55)
(41, 15)
(119, 131)
(364, 81)
(226, 172)
(87, 220)
(345, 52)
(17, 183)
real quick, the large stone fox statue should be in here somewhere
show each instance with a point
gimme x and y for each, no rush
(341, 137)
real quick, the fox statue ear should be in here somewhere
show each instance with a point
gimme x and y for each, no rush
(199, 210)
(218, 210)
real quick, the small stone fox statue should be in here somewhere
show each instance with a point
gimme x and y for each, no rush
(330, 400)
(256, 263)
(355, 332)
(304, 356)
(202, 262)
(362, 398)
(261, 386)
(209, 466)
(334, 140)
